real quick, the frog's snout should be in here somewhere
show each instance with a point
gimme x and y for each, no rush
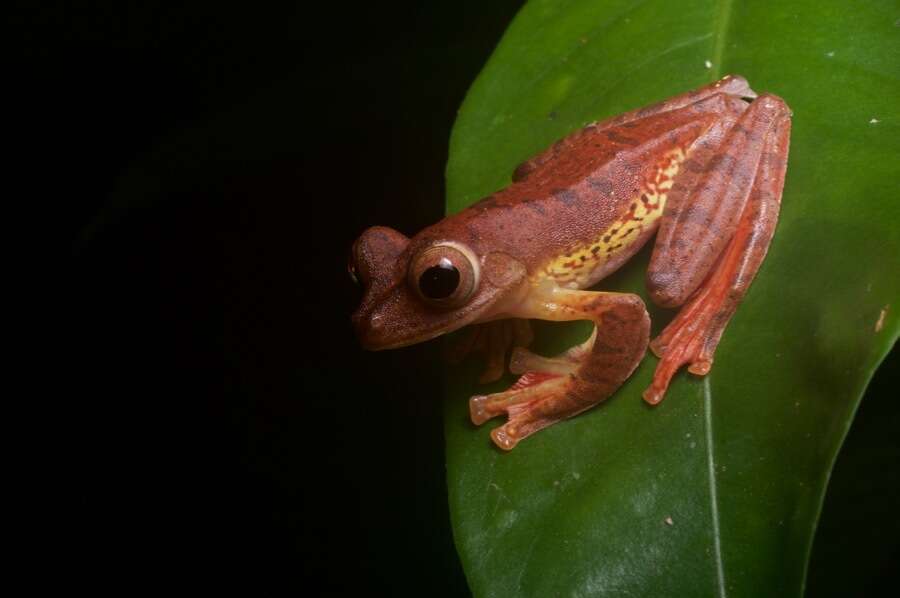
(390, 322)
(373, 263)
(371, 330)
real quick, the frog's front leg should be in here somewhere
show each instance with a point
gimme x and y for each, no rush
(493, 340)
(580, 378)
(713, 236)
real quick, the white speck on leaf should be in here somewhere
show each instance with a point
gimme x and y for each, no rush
(708, 64)
(874, 121)
(880, 323)
(830, 54)
(507, 519)
(669, 521)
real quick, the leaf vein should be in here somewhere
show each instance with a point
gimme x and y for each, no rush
(720, 30)
(713, 498)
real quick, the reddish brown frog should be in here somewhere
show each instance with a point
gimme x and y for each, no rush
(705, 168)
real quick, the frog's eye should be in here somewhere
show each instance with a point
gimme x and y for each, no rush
(444, 275)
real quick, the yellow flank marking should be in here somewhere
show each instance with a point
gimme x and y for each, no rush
(575, 267)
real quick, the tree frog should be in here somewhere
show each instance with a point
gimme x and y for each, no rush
(703, 170)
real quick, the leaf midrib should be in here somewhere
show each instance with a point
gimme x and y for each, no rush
(720, 30)
(713, 494)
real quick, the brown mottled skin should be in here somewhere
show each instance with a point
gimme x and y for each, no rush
(706, 168)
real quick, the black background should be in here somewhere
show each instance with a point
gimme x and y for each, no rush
(208, 165)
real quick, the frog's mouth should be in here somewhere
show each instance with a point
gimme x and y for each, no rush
(399, 319)
(371, 343)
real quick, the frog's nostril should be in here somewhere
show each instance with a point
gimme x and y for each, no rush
(369, 328)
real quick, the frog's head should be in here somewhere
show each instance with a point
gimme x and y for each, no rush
(420, 288)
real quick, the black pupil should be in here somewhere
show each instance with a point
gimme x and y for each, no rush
(439, 281)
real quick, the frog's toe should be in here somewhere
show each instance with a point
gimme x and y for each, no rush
(495, 368)
(478, 409)
(701, 367)
(505, 437)
(680, 345)
(529, 387)
(524, 402)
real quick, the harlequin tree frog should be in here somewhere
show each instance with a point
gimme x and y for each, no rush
(704, 170)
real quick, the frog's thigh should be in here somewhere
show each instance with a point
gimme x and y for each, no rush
(706, 203)
(693, 335)
(541, 398)
(730, 84)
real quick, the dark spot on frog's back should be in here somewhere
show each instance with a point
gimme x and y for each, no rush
(601, 185)
(534, 206)
(522, 171)
(567, 196)
(721, 162)
(617, 137)
(695, 214)
(694, 166)
(487, 202)
(633, 168)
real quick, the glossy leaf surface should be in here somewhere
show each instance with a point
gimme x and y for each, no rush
(716, 491)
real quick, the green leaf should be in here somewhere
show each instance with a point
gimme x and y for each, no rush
(737, 461)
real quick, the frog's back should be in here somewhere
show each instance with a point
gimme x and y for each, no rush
(583, 213)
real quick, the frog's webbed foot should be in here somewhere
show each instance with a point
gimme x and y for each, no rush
(521, 402)
(553, 389)
(493, 340)
(736, 188)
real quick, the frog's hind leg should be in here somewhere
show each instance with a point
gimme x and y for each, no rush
(712, 242)
(537, 375)
(734, 86)
(558, 388)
